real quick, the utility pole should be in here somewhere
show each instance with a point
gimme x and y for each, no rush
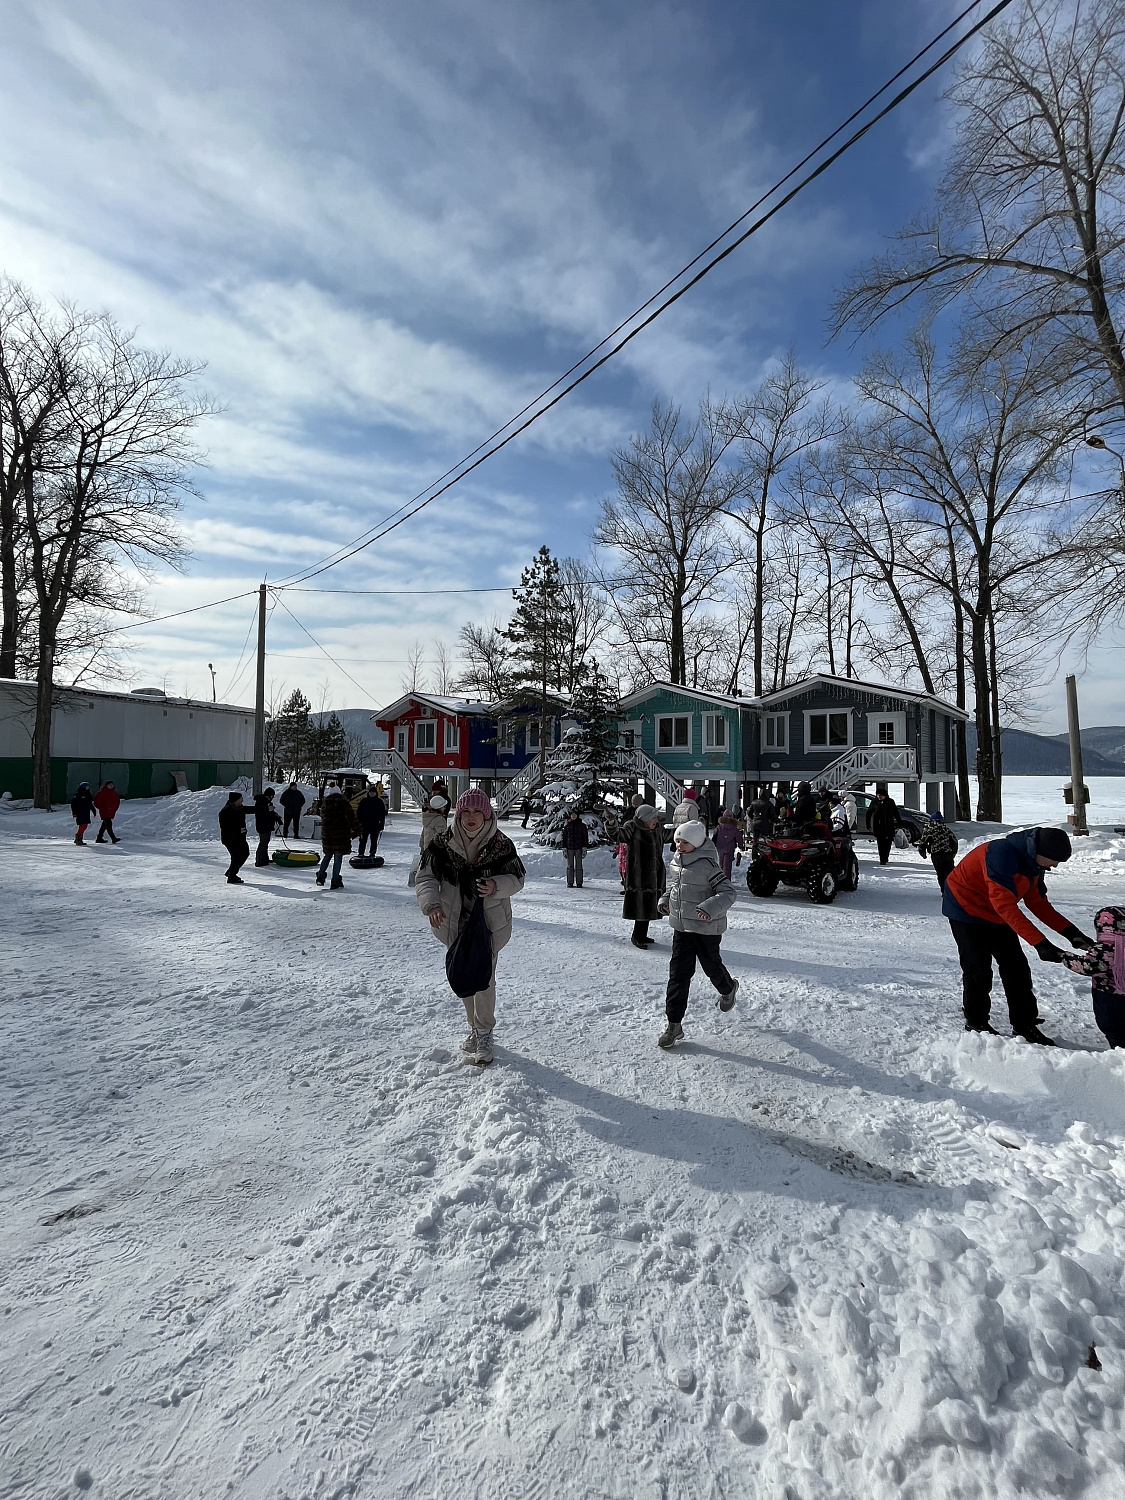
(1077, 785)
(260, 695)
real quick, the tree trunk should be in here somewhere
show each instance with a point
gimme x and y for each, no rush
(41, 737)
(759, 600)
(9, 626)
(828, 610)
(997, 744)
(677, 649)
(982, 692)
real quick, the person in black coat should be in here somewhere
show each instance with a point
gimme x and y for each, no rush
(575, 842)
(371, 812)
(266, 819)
(645, 876)
(526, 809)
(232, 831)
(882, 820)
(805, 810)
(82, 806)
(292, 800)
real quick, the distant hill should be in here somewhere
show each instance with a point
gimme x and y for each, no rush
(1028, 754)
(358, 721)
(1108, 741)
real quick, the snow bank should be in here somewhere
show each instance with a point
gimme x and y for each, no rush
(1085, 1085)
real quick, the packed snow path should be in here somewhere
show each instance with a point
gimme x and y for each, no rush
(265, 1235)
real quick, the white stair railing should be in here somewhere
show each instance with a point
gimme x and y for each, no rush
(870, 763)
(657, 777)
(522, 782)
(393, 762)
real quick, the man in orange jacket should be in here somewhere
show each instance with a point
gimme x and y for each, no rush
(981, 901)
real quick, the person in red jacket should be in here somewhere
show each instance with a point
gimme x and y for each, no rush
(982, 904)
(107, 802)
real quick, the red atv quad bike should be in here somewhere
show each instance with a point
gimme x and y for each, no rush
(820, 861)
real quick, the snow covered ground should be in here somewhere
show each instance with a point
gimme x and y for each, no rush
(263, 1236)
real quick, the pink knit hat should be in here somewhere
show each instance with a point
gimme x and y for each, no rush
(474, 800)
(691, 795)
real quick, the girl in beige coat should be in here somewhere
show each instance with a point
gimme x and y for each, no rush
(471, 859)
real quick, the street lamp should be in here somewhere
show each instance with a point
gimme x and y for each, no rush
(211, 669)
(1096, 441)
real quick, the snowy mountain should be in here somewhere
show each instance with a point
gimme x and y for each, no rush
(1027, 754)
(357, 721)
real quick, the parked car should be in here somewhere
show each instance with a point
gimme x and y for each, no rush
(913, 821)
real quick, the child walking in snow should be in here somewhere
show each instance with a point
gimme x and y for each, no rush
(696, 904)
(1104, 962)
(728, 838)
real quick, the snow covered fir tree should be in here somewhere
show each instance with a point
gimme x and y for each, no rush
(583, 771)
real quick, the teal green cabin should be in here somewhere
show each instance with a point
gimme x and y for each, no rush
(693, 735)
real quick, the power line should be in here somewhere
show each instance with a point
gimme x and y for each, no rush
(365, 691)
(460, 471)
(194, 610)
(505, 588)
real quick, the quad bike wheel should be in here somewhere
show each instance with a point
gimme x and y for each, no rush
(849, 877)
(761, 880)
(822, 885)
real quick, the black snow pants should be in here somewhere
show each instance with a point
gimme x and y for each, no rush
(363, 838)
(978, 943)
(107, 827)
(942, 863)
(884, 847)
(293, 818)
(687, 947)
(239, 853)
(262, 857)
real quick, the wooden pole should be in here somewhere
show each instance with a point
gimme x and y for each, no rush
(1077, 785)
(260, 695)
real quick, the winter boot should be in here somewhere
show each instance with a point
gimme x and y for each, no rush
(101, 839)
(321, 876)
(671, 1034)
(469, 1045)
(990, 1030)
(1035, 1036)
(483, 1055)
(78, 839)
(337, 883)
(641, 943)
(235, 880)
(726, 1002)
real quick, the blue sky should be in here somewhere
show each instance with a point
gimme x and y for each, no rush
(385, 227)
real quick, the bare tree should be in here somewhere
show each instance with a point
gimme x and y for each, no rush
(663, 526)
(1032, 199)
(774, 427)
(484, 653)
(585, 615)
(412, 678)
(443, 674)
(104, 485)
(975, 448)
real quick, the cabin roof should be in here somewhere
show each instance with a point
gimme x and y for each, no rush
(856, 684)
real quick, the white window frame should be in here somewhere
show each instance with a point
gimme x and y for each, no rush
(673, 748)
(828, 749)
(629, 734)
(420, 749)
(452, 736)
(776, 747)
(709, 741)
(402, 738)
(506, 737)
(873, 722)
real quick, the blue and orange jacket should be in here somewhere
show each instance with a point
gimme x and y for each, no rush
(993, 878)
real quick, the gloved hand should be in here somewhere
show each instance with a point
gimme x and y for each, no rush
(1048, 952)
(1077, 938)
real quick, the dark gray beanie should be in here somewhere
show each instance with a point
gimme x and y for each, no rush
(1052, 843)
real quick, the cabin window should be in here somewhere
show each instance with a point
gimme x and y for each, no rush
(452, 734)
(775, 732)
(425, 736)
(628, 739)
(714, 732)
(885, 729)
(533, 739)
(673, 732)
(401, 734)
(827, 731)
(506, 737)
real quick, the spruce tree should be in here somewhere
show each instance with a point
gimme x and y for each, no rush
(584, 768)
(535, 634)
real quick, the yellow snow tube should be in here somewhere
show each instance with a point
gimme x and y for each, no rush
(295, 857)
